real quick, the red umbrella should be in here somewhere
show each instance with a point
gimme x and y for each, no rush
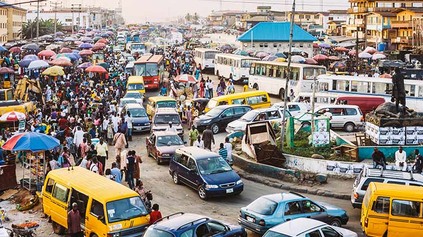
(96, 68)
(65, 50)
(334, 58)
(352, 52)
(12, 116)
(46, 53)
(85, 52)
(61, 62)
(311, 61)
(15, 50)
(6, 70)
(185, 78)
(320, 57)
(103, 40)
(341, 49)
(98, 46)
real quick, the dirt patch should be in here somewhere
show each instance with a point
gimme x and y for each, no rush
(8, 194)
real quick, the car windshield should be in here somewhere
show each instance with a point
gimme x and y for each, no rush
(153, 232)
(213, 165)
(275, 234)
(263, 206)
(125, 209)
(166, 118)
(133, 95)
(138, 112)
(124, 102)
(214, 112)
(249, 116)
(166, 104)
(135, 86)
(169, 140)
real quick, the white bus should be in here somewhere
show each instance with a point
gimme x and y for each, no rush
(233, 66)
(205, 57)
(271, 77)
(369, 86)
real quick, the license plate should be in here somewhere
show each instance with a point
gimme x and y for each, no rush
(250, 219)
(229, 190)
(137, 128)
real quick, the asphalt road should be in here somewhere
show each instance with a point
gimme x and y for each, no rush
(175, 198)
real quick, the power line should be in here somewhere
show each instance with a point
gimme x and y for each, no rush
(275, 3)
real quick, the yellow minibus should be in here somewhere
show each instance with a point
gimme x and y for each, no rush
(136, 83)
(255, 99)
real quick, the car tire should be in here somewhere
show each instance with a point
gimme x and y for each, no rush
(58, 229)
(215, 129)
(202, 193)
(349, 127)
(335, 222)
(175, 178)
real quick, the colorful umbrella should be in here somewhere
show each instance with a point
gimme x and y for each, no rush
(364, 55)
(320, 57)
(378, 56)
(86, 52)
(54, 71)
(6, 70)
(36, 64)
(86, 39)
(103, 40)
(261, 54)
(31, 141)
(334, 58)
(324, 45)
(297, 59)
(12, 116)
(31, 57)
(280, 55)
(310, 61)
(100, 45)
(281, 60)
(65, 50)
(338, 65)
(59, 33)
(3, 49)
(33, 47)
(352, 52)
(61, 62)
(15, 50)
(46, 53)
(96, 68)
(370, 50)
(269, 58)
(341, 49)
(69, 39)
(85, 46)
(185, 78)
(85, 65)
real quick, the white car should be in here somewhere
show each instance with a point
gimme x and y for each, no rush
(306, 227)
(269, 114)
(295, 108)
(135, 95)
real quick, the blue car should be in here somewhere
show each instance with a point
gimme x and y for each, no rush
(270, 210)
(204, 171)
(188, 225)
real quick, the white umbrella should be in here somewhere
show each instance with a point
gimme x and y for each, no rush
(364, 55)
(38, 64)
(378, 56)
(12, 116)
(370, 50)
(297, 59)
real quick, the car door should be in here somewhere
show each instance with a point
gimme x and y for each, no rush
(328, 231)
(239, 112)
(220, 230)
(314, 211)
(338, 117)
(292, 211)
(183, 170)
(295, 110)
(193, 175)
(225, 117)
(95, 218)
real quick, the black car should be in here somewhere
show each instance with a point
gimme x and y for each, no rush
(219, 117)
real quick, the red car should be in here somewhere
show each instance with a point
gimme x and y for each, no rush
(161, 145)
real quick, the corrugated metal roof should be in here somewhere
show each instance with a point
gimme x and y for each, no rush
(275, 32)
(6, 5)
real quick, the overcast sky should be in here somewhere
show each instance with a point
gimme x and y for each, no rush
(140, 11)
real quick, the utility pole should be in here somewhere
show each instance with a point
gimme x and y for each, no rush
(38, 20)
(75, 6)
(285, 98)
(55, 5)
(356, 51)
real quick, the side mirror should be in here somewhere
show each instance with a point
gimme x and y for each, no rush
(100, 218)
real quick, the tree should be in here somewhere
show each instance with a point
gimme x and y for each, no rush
(29, 28)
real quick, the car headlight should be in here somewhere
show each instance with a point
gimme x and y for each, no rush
(210, 186)
(113, 235)
(206, 121)
(239, 182)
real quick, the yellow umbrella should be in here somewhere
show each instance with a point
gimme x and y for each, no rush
(54, 71)
(280, 60)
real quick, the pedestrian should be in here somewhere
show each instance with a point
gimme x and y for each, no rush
(208, 138)
(193, 134)
(155, 214)
(400, 159)
(223, 152)
(110, 132)
(138, 161)
(94, 165)
(84, 162)
(228, 147)
(418, 162)
(109, 175)
(128, 120)
(378, 158)
(102, 151)
(119, 142)
(74, 222)
(199, 143)
(115, 171)
(130, 164)
(83, 148)
(171, 128)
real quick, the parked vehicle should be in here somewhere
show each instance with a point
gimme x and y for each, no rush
(306, 227)
(368, 175)
(187, 224)
(366, 103)
(219, 117)
(270, 210)
(156, 102)
(163, 117)
(270, 114)
(296, 109)
(255, 99)
(392, 210)
(140, 120)
(135, 95)
(135, 83)
(204, 171)
(125, 101)
(162, 145)
(102, 205)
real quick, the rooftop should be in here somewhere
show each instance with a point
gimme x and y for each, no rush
(7, 5)
(275, 32)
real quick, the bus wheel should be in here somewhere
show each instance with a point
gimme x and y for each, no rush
(58, 229)
(255, 86)
(282, 94)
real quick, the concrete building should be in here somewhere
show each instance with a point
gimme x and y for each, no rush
(224, 18)
(11, 20)
(335, 21)
(263, 14)
(273, 37)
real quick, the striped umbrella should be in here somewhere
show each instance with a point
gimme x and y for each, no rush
(185, 78)
(12, 116)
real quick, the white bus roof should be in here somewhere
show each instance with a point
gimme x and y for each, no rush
(326, 77)
(235, 56)
(273, 63)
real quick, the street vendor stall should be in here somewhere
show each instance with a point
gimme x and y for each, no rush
(34, 144)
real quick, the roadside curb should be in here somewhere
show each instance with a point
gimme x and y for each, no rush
(280, 178)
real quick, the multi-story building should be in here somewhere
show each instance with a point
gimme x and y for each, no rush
(11, 20)
(335, 20)
(224, 18)
(263, 14)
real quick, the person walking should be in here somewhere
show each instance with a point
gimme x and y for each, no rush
(119, 141)
(74, 222)
(193, 134)
(228, 147)
(138, 161)
(418, 163)
(208, 138)
(128, 120)
(223, 152)
(199, 143)
(102, 151)
(115, 171)
(155, 214)
(130, 164)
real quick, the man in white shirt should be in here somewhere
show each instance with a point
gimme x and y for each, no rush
(400, 159)
(128, 120)
(115, 121)
(171, 128)
(199, 143)
(228, 147)
(78, 137)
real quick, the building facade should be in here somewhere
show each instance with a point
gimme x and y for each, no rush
(12, 19)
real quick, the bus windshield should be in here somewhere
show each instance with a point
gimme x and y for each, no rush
(138, 46)
(125, 209)
(137, 86)
(148, 69)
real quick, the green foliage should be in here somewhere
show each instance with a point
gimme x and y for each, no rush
(29, 28)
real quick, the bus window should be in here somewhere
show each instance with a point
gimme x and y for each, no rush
(405, 208)
(238, 101)
(252, 70)
(363, 87)
(381, 205)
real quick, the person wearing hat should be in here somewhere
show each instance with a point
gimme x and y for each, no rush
(74, 222)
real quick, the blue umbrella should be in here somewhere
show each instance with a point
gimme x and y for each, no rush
(3, 49)
(58, 39)
(25, 62)
(31, 141)
(280, 55)
(85, 46)
(31, 57)
(75, 51)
